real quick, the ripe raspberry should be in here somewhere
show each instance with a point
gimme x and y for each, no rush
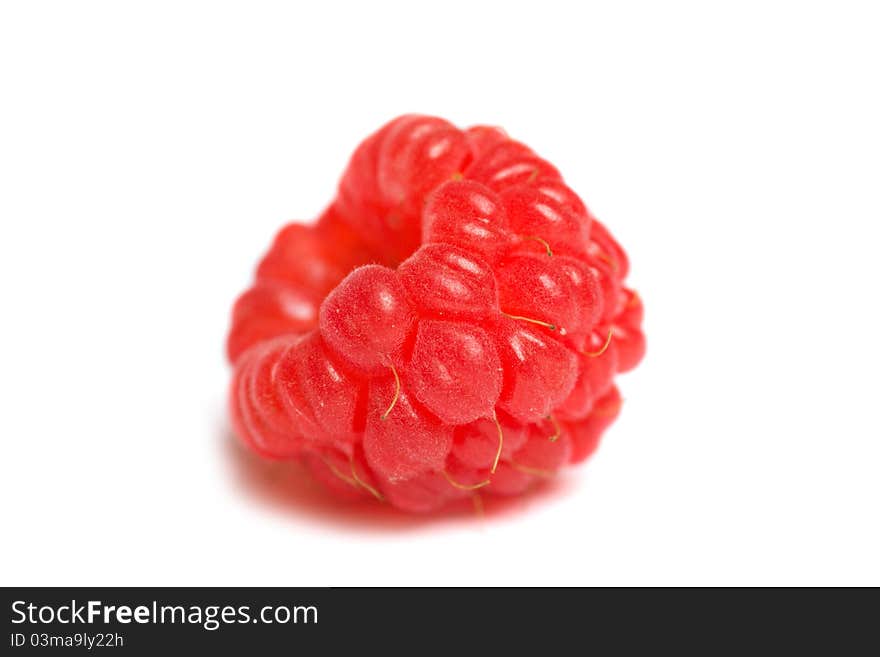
(452, 324)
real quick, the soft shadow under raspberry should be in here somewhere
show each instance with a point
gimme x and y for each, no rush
(287, 488)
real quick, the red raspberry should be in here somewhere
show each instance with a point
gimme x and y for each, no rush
(452, 324)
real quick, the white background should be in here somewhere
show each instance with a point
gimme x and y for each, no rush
(148, 152)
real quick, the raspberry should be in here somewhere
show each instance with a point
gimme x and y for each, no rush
(452, 324)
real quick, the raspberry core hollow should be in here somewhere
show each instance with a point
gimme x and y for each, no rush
(450, 326)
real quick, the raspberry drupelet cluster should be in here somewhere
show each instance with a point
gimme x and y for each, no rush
(451, 325)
